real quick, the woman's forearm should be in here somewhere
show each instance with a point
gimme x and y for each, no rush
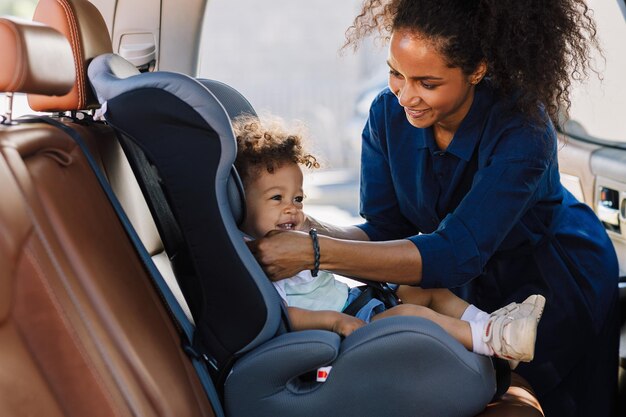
(283, 254)
(396, 261)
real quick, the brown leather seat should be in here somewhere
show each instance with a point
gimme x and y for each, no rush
(82, 331)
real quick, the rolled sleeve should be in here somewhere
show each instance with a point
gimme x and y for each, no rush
(373, 232)
(450, 255)
(459, 249)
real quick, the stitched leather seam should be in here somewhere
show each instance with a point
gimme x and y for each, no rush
(70, 328)
(77, 52)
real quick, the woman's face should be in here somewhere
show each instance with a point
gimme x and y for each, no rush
(431, 92)
(274, 201)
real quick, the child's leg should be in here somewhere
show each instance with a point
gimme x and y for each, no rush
(441, 300)
(509, 332)
(458, 329)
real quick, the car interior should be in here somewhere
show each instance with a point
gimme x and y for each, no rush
(126, 286)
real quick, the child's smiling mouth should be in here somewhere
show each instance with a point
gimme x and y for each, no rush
(286, 226)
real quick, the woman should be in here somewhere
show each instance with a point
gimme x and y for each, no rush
(460, 186)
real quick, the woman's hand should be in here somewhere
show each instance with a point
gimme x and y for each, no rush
(283, 254)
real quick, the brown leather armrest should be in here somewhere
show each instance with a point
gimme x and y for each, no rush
(518, 401)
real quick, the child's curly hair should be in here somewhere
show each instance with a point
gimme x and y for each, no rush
(266, 143)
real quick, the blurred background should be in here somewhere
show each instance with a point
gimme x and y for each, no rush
(285, 56)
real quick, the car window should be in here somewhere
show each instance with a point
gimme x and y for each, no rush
(18, 8)
(598, 104)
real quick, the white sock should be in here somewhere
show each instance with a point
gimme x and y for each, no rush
(477, 320)
(470, 313)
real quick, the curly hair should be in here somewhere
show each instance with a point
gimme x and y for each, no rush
(533, 48)
(265, 143)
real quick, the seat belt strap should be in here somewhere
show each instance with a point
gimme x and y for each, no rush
(172, 236)
(367, 293)
(373, 290)
(199, 360)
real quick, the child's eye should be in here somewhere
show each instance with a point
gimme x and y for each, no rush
(299, 199)
(276, 197)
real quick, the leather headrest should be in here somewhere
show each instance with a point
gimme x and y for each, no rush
(84, 27)
(35, 59)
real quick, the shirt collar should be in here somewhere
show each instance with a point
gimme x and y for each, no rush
(469, 132)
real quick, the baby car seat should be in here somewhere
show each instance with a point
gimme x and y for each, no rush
(401, 366)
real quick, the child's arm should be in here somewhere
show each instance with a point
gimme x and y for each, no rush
(334, 321)
(338, 232)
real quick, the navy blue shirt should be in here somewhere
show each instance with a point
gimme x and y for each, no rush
(493, 223)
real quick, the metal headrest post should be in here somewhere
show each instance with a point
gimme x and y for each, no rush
(7, 118)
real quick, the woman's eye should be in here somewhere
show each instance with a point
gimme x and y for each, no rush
(299, 199)
(276, 197)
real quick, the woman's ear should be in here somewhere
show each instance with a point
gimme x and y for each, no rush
(479, 72)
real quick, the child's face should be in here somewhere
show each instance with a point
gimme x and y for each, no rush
(274, 201)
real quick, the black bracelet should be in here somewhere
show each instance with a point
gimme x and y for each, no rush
(316, 252)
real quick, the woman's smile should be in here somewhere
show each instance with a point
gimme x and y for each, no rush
(415, 113)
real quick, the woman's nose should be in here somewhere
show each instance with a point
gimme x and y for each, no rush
(407, 96)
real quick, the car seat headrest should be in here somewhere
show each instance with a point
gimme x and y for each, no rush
(85, 28)
(233, 101)
(106, 72)
(235, 105)
(236, 197)
(36, 59)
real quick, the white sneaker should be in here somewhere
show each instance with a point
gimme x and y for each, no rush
(511, 331)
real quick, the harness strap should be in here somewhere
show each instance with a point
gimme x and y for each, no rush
(359, 302)
(172, 236)
(373, 290)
